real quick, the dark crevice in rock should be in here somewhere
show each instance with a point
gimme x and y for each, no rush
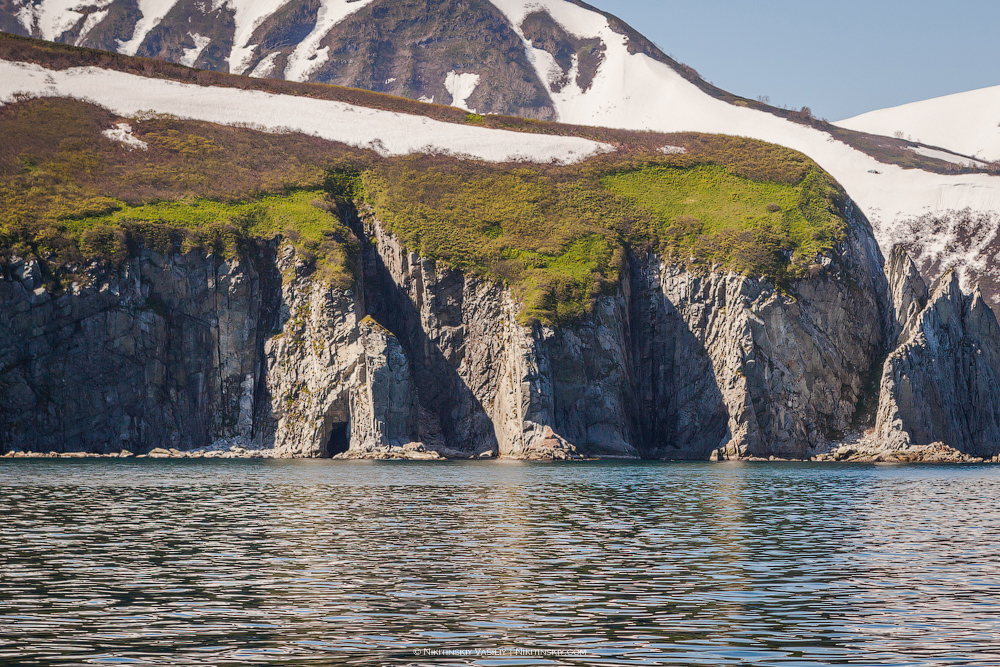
(338, 441)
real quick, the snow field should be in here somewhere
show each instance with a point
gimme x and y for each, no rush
(386, 132)
(967, 123)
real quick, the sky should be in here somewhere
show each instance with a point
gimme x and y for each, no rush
(840, 58)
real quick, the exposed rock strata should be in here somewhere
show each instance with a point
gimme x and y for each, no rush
(420, 361)
(159, 352)
(942, 382)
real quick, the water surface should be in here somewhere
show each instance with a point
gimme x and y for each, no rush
(230, 562)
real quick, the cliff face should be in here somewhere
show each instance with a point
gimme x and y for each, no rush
(160, 352)
(675, 365)
(940, 384)
(729, 362)
(182, 351)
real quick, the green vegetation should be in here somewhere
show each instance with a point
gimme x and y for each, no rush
(556, 234)
(544, 234)
(302, 217)
(67, 194)
(749, 226)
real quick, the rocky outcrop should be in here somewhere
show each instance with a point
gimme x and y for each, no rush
(732, 363)
(909, 292)
(676, 365)
(421, 361)
(314, 361)
(338, 381)
(942, 382)
(489, 384)
(183, 351)
(158, 352)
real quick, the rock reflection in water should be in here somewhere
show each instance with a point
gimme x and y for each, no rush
(221, 562)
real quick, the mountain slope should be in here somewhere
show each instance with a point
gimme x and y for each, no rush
(968, 123)
(558, 59)
(387, 132)
(170, 281)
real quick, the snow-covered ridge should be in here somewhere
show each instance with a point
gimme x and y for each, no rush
(967, 123)
(49, 19)
(387, 132)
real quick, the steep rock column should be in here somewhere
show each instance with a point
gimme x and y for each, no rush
(384, 408)
(942, 383)
(453, 330)
(909, 292)
(313, 364)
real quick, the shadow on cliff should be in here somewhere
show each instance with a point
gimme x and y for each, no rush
(464, 424)
(679, 410)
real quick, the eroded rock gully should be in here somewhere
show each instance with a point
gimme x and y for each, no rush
(421, 361)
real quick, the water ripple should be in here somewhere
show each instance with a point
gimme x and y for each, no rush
(228, 562)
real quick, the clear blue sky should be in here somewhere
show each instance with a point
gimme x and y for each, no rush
(838, 57)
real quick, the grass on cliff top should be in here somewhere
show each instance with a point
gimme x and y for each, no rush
(710, 215)
(556, 234)
(69, 194)
(303, 217)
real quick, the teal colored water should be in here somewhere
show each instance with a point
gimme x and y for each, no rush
(228, 562)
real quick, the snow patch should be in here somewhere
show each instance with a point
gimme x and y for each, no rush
(673, 150)
(122, 133)
(248, 15)
(54, 17)
(428, 100)
(965, 123)
(966, 240)
(387, 132)
(308, 56)
(265, 67)
(152, 12)
(461, 87)
(191, 55)
(26, 18)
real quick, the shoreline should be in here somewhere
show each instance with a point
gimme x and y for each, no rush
(931, 454)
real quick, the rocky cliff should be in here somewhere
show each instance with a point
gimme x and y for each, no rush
(187, 350)
(732, 363)
(160, 351)
(419, 360)
(676, 364)
(940, 384)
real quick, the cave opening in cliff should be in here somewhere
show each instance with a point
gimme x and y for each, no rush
(339, 441)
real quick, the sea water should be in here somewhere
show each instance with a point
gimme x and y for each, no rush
(235, 562)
